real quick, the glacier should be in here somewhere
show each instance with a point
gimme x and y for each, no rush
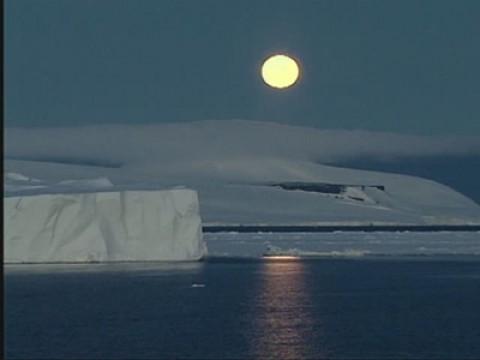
(243, 171)
(100, 224)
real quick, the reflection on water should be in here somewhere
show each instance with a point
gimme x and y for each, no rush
(283, 324)
(244, 309)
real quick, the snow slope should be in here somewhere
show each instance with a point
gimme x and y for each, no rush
(102, 225)
(233, 166)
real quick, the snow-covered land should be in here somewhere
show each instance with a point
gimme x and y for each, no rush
(245, 172)
(85, 226)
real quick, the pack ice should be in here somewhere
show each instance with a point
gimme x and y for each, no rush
(84, 225)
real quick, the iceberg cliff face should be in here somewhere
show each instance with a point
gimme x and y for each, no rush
(103, 226)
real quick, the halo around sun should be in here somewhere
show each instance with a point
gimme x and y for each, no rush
(280, 71)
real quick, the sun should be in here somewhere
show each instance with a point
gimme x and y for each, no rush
(280, 71)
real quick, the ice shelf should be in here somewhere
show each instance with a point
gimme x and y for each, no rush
(139, 225)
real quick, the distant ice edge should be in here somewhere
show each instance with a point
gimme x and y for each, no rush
(140, 225)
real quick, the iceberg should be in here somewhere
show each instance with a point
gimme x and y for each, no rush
(103, 226)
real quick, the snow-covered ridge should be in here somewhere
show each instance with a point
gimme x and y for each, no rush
(230, 163)
(103, 226)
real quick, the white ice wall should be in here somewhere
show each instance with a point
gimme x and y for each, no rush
(103, 226)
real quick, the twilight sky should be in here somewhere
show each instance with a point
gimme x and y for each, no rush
(401, 66)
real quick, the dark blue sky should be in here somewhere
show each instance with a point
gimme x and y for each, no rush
(403, 66)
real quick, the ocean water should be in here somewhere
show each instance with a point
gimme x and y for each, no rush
(248, 308)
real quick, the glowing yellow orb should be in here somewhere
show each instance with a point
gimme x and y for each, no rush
(280, 71)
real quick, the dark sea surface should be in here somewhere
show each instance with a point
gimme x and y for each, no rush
(399, 308)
